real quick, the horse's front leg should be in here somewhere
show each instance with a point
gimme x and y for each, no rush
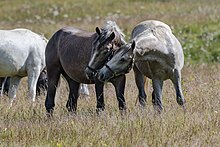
(13, 86)
(119, 84)
(157, 94)
(100, 106)
(140, 82)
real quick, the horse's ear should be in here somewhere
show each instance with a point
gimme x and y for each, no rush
(98, 31)
(133, 45)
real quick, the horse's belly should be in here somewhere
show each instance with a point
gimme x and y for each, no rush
(77, 74)
(12, 65)
(74, 64)
(153, 69)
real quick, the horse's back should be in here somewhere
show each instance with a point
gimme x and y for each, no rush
(148, 24)
(18, 48)
(155, 40)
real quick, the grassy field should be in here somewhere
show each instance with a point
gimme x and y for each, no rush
(196, 24)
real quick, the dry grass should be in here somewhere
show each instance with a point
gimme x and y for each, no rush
(194, 22)
(24, 125)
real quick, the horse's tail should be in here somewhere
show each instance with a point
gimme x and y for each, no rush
(51, 54)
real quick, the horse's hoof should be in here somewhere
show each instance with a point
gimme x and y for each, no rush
(49, 115)
(184, 107)
(158, 109)
(180, 101)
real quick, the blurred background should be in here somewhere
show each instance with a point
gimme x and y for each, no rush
(196, 23)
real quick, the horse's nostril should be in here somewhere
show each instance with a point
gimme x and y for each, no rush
(101, 76)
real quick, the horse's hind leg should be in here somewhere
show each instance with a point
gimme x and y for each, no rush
(157, 94)
(119, 84)
(177, 84)
(2, 84)
(53, 74)
(33, 74)
(14, 82)
(71, 104)
(140, 82)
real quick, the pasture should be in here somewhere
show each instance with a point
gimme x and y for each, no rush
(195, 23)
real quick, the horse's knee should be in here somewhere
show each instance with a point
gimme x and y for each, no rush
(32, 94)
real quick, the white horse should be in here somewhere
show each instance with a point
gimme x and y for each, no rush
(22, 53)
(157, 54)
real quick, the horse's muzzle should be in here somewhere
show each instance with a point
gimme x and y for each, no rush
(91, 73)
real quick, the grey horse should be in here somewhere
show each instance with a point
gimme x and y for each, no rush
(157, 54)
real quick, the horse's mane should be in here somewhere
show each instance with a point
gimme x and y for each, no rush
(111, 26)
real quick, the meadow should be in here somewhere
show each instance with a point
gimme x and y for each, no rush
(195, 23)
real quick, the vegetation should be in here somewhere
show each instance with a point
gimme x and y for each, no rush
(196, 24)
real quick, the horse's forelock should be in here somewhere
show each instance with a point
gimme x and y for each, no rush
(110, 27)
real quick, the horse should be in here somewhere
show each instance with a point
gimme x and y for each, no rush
(4, 85)
(21, 54)
(42, 85)
(68, 52)
(40, 89)
(156, 54)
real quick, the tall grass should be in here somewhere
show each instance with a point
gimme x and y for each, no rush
(196, 25)
(24, 125)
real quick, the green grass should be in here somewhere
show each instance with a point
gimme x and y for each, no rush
(195, 23)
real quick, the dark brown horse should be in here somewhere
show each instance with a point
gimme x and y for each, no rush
(68, 52)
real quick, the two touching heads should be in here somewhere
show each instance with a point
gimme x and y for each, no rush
(108, 47)
(106, 41)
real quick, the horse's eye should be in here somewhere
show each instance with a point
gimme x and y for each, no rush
(122, 59)
(105, 51)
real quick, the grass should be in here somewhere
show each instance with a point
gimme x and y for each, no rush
(196, 25)
(24, 125)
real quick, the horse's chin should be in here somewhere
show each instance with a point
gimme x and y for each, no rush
(103, 78)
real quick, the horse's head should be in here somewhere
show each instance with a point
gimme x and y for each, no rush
(108, 40)
(121, 63)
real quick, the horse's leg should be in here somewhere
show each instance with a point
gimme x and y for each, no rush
(100, 106)
(6, 86)
(157, 94)
(84, 89)
(119, 84)
(53, 74)
(33, 74)
(14, 82)
(71, 104)
(177, 84)
(140, 82)
(2, 83)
